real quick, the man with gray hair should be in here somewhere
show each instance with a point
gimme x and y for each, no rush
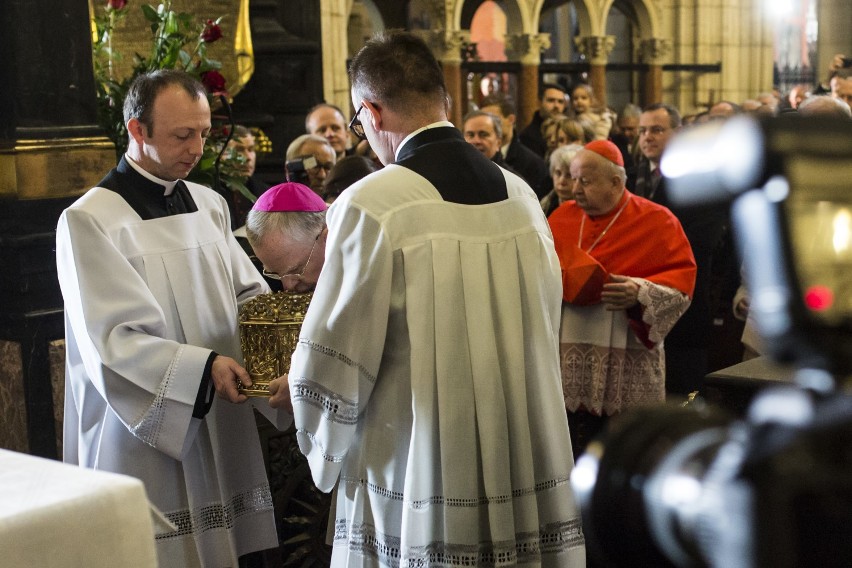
(425, 386)
(628, 275)
(484, 131)
(286, 230)
(521, 159)
(309, 158)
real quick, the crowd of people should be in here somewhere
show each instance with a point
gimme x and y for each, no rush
(485, 299)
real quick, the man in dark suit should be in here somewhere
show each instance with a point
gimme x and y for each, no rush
(483, 131)
(553, 101)
(527, 163)
(687, 344)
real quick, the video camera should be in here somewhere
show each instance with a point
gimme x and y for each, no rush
(297, 169)
(682, 486)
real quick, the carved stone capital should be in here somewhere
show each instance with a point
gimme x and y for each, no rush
(595, 48)
(526, 48)
(446, 45)
(653, 50)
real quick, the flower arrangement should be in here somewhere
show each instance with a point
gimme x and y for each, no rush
(179, 41)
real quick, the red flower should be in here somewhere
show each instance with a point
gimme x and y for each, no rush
(116, 4)
(211, 32)
(214, 81)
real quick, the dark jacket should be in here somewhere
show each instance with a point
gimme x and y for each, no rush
(532, 138)
(529, 165)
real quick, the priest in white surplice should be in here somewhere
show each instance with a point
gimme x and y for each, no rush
(152, 280)
(426, 382)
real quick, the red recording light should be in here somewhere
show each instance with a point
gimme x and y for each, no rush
(819, 298)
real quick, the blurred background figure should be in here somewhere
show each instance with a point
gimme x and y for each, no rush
(344, 173)
(824, 104)
(796, 95)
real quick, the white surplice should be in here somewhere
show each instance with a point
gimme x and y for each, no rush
(426, 382)
(145, 302)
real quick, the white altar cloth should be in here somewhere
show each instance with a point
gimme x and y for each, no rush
(55, 515)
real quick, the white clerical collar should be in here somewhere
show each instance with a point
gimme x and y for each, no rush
(169, 185)
(439, 124)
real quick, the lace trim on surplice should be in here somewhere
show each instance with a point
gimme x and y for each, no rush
(147, 426)
(334, 407)
(551, 538)
(329, 352)
(219, 515)
(662, 307)
(605, 380)
(456, 501)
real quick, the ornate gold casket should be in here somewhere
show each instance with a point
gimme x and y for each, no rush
(269, 332)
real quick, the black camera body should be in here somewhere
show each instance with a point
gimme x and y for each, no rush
(297, 169)
(689, 486)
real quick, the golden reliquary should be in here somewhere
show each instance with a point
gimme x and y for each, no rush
(269, 332)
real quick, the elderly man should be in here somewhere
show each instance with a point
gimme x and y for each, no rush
(552, 103)
(430, 342)
(152, 280)
(628, 275)
(286, 230)
(521, 159)
(688, 343)
(309, 158)
(328, 121)
(484, 132)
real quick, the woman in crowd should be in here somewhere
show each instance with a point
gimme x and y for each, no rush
(562, 131)
(560, 173)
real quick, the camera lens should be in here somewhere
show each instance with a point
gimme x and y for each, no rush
(620, 498)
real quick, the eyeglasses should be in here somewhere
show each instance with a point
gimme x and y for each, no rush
(655, 130)
(355, 124)
(296, 275)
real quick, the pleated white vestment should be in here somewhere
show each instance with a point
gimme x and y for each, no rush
(145, 303)
(426, 381)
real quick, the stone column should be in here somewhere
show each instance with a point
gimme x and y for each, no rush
(334, 20)
(597, 50)
(834, 37)
(651, 52)
(527, 49)
(447, 46)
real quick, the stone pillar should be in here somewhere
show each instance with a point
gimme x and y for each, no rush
(527, 49)
(651, 52)
(51, 151)
(334, 20)
(597, 50)
(447, 46)
(834, 37)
